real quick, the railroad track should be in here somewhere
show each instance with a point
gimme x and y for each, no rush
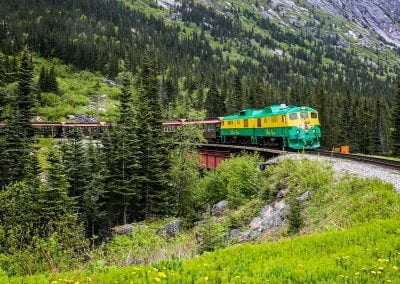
(382, 162)
(359, 158)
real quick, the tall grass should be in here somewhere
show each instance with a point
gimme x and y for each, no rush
(364, 254)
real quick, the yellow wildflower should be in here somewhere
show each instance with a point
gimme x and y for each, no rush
(395, 267)
(380, 268)
(206, 278)
(357, 273)
(157, 279)
(373, 272)
(162, 274)
(389, 281)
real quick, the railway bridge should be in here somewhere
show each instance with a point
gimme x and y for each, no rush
(211, 154)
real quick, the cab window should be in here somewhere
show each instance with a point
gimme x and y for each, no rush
(304, 114)
(293, 116)
(314, 115)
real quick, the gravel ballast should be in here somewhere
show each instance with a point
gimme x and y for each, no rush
(360, 169)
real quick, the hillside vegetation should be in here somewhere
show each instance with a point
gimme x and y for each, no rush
(364, 254)
(354, 246)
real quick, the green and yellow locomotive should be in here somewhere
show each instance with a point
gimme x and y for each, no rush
(273, 126)
(276, 125)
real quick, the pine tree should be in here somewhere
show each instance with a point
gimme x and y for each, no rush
(52, 85)
(26, 100)
(154, 158)
(42, 83)
(377, 130)
(236, 96)
(76, 166)
(213, 100)
(54, 203)
(93, 197)
(396, 122)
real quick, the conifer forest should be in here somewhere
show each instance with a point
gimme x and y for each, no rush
(135, 64)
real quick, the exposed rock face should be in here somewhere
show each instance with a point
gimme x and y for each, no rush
(123, 229)
(380, 16)
(219, 208)
(172, 229)
(304, 197)
(271, 218)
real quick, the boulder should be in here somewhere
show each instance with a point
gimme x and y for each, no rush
(234, 233)
(219, 208)
(248, 235)
(123, 229)
(172, 229)
(282, 193)
(270, 218)
(304, 197)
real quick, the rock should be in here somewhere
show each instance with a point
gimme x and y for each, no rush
(234, 233)
(172, 229)
(271, 217)
(248, 235)
(219, 208)
(123, 229)
(304, 197)
(282, 193)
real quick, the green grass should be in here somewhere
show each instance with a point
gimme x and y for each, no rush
(78, 90)
(365, 254)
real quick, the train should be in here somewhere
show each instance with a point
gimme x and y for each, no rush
(283, 126)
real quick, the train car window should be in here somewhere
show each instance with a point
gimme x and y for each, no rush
(304, 114)
(274, 119)
(283, 118)
(265, 120)
(293, 116)
(246, 123)
(314, 115)
(258, 122)
(238, 122)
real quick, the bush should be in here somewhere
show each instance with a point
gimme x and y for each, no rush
(237, 179)
(211, 235)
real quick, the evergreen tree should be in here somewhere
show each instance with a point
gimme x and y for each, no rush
(52, 85)
(377, 130)
(235, 100)
(396, 122)
(93, 197)
(26, 100)
(42, 83)
(154, 158)
(55, 203)
(213, 100)
(76, 166)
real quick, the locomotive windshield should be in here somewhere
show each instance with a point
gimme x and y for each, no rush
(304, 114)
(314, 115)
(293, 116)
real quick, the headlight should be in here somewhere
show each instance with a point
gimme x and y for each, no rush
(314, 130)
(298, 131)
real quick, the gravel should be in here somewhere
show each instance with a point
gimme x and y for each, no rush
(357, 168)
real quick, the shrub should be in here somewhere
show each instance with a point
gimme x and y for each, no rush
(236, 179)
(211, 235)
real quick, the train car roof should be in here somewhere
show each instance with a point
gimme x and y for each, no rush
(268, 111)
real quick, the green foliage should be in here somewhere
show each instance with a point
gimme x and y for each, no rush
(243, 215)
(143, 245)
(396, 122)
(295, 220)
(211, 235)
(185, 170)
(236, 179)
(367, 254)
